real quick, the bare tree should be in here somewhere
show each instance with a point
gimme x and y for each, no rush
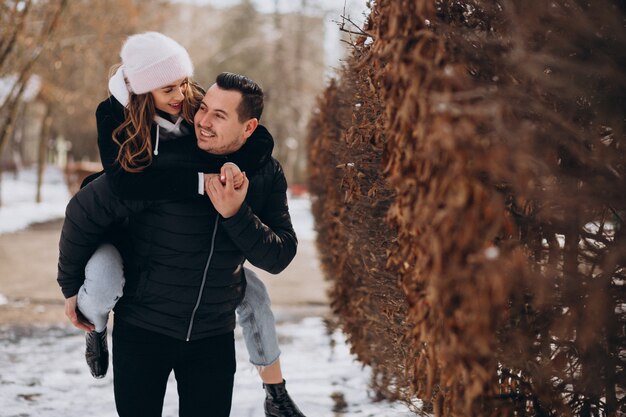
(292, 81)
(21, 45)
(25, 56)
(71, 50)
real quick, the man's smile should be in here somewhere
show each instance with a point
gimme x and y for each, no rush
(206, 133)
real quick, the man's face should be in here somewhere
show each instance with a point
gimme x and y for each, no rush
(217, 125)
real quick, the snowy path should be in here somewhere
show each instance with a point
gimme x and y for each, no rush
(43, 374)
(19, 209)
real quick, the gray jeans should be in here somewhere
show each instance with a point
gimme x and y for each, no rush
(104, 285)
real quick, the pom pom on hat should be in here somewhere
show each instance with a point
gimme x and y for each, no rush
(150, 60)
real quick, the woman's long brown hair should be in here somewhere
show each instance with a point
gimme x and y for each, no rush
(133, 135)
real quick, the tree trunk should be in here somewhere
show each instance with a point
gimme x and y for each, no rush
(9, 126)
(1, 174)
(9, 122)
(41, 157)
(297, 114)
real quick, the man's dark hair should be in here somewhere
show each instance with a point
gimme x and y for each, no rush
(252, 95)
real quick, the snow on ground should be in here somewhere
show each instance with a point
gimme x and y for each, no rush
(19, 209)
(43, 373)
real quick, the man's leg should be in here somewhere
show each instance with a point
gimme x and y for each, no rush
(205, 372)
(142, 362)
(259, 331)
(103, 286)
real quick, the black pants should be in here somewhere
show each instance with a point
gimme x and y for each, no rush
(143, 361)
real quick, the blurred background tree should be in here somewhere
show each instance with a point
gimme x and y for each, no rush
(26, 28)
(56, 56)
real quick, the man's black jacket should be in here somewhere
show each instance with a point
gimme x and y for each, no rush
(185, 276)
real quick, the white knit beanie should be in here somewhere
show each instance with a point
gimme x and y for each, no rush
(150, 60)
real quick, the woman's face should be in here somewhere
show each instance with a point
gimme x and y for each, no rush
(169, 98)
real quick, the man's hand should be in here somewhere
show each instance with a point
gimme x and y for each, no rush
(207, 181)
(225, 198)
(75, 316)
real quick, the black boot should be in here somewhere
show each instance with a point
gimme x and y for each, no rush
(97, 353)
(278, 403)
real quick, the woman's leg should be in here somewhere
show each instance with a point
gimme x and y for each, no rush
(103, 286)
(257, 322)
(259, 331)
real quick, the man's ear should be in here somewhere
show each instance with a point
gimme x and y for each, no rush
(250, 127)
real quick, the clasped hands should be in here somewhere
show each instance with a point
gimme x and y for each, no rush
(227, 190)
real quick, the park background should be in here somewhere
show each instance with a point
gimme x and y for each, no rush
(456, 173)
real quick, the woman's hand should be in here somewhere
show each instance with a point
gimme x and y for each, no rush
(221, 177)
(237, 174)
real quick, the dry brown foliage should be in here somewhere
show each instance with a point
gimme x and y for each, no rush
(350, 200)
(493, 133)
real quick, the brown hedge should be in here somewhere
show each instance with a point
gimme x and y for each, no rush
(490, 137)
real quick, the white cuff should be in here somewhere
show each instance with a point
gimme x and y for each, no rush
(201, 183)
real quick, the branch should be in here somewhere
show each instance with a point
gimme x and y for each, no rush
(361, 33)
(12, 38)
(43, 39)
(342, 27)
(24, 73)
(45, 34)
(9, 122)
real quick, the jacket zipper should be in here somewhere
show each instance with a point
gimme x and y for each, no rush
(206, 270)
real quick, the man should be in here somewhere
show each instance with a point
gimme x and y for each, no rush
(186, 278)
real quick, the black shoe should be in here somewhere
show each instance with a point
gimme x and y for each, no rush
(97, 353)
(278, 403)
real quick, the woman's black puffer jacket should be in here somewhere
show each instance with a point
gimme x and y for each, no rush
(185, 277)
